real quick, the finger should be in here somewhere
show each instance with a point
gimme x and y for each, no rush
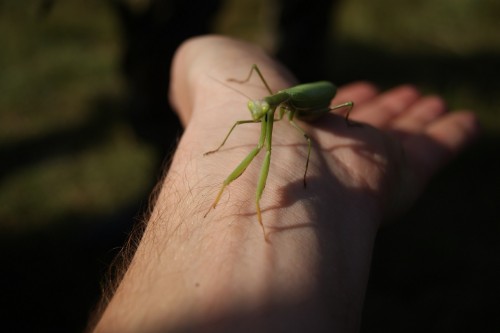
(440, 141)
(380, 111)
(357, 92)
(418, 116)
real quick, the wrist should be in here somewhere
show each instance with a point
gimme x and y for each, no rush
(316, 234)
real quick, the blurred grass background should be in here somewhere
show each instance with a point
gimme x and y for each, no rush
(75, 172)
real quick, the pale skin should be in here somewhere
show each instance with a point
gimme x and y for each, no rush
(218, 273)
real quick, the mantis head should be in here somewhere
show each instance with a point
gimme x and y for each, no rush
(258, 108)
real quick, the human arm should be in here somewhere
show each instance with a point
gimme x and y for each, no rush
(218, 273)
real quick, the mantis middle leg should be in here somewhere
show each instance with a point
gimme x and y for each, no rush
(349, 106)
(239, 122)
(306, 136)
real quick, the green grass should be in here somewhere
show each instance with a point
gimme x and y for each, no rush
(54, 69)
(425, 26)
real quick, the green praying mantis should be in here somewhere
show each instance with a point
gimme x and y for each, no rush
(307, 102)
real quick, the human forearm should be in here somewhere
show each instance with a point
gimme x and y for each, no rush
(219, 271)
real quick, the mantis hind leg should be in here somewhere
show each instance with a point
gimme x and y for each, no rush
(264, 172)
(349, 106)
(256, 69)
(308, 138)
(238, 171)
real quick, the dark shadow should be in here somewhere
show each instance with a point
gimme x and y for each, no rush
(437, 269)
(50, 277)
(303, 34)
(150, 38)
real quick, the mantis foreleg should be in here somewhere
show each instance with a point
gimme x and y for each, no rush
(239, 122)
(264, 171)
